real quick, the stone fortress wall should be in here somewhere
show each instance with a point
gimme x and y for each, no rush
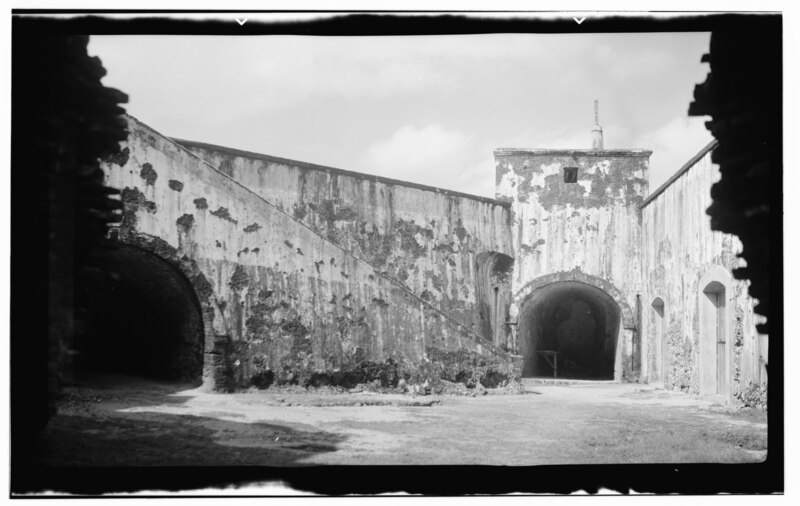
(305, 273)
(698, 321)
(283, 299)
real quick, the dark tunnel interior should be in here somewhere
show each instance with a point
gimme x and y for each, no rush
(137, 315)
(571, 327)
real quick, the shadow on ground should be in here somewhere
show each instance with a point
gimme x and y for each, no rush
(95, 440)
(176, 440)
(156, 436)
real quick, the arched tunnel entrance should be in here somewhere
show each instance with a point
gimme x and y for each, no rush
(138, 315)
(570, 328)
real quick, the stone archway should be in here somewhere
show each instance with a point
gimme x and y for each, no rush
(152, 313)
(578, 322)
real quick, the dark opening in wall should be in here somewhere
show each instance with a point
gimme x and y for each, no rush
(493, 293)
(570, 326)
(570, 174)
(141, 318)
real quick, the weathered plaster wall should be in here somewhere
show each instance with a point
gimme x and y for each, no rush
(590, 227)
(425, 238)
(279, 299)
(681, 256)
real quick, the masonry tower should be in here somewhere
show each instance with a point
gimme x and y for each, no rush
(576, 236)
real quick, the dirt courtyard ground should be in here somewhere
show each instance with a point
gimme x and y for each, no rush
(132, 422)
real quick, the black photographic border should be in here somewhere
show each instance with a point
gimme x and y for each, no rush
(29, 287)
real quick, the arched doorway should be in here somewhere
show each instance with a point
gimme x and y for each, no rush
(139, 316)
(659, 357)
(715, 317)
(493, 294)
(570, 329)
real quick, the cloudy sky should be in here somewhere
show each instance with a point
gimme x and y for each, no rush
(428, 109)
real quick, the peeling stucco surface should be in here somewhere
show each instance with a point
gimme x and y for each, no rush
(592, 226)
(426, 240)
(679, 249)
(295, 295)
(314, 275)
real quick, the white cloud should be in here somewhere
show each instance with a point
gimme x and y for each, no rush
(202, 77)
(307, 71)
(270, 73)
(479, 178)
(442, 157)
(673, 144)
(431, 155)
(427, 109)
(564, 138)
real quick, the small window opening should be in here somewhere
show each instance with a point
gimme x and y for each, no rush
(570, 174)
